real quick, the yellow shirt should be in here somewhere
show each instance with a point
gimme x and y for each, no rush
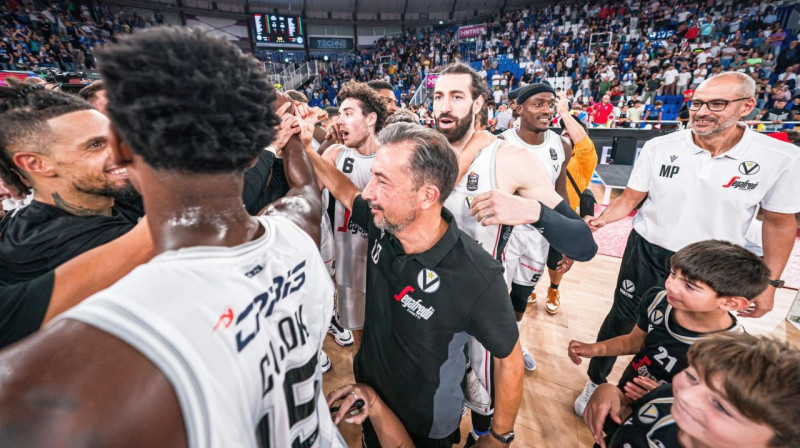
(581, 167)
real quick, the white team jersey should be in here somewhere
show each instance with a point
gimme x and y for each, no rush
(480, 178)
(237, 331)
(350, 242)
(550, 152)
(526, 254)
(692, 196)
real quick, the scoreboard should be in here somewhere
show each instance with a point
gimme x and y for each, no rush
(273, 30)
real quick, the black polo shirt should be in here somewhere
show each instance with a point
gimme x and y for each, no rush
(39, 237)
(420, 311)
(23, 306)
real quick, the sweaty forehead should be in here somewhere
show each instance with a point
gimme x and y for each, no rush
(453, 82)
(350, 103)
(392, 160)
(716, 90)
(75, 127)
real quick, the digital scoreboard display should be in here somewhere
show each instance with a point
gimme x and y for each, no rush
(273, 30)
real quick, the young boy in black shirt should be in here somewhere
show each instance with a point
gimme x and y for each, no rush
(738, 391)
(708, 281)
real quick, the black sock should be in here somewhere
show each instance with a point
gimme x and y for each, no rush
(335, 323)
(553, 285)
(481, 423)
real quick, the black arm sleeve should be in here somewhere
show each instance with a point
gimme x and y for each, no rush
(553, 258)
(256, 183)
(23, 306)
(566, 232)
(360, 214)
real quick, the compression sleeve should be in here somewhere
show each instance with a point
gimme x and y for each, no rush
(566, 232)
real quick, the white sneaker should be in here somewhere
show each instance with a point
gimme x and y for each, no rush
(530, 363)
(340, 335)
(476, 396)
(324, 362)
(583, 398)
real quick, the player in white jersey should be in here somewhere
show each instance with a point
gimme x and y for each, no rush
(216, 342)
(362, 112)
(499, 184)
(528, 252)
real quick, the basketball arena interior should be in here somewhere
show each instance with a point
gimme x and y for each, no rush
(342, 223)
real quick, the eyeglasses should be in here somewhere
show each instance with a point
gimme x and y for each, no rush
(713, 105)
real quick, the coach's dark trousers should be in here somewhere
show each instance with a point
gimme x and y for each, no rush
(644, 266)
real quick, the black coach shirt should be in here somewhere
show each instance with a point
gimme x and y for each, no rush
(23, 306)
(39, 237)
(420, 311)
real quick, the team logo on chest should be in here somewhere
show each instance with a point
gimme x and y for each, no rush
(649, 414)
(553, 154)
(428, 281)
(472, 181)
(748, 168)
(656, 317)
(468, 201)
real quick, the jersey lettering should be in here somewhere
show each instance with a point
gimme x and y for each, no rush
(300, 405)
(662, 355)
(281, 288)
(668, 171)
(347, 167)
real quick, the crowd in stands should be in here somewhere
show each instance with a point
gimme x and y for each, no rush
(58, 34)
(601, 53)
(651, 51)
(655, 49)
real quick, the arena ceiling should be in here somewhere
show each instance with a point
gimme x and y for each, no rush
(390, 9)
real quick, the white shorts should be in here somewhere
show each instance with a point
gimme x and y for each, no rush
(326, 245)
(526, 256)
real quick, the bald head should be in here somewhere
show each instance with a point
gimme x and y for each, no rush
(743, 85)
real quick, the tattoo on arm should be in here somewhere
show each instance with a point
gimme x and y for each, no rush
(76, 209)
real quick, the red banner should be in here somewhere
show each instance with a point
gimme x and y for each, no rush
(470, 31)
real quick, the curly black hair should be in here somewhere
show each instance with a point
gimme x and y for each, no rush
(370, 100)
(187, 101)
(24, 110)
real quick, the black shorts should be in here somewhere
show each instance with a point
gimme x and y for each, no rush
(370, 438)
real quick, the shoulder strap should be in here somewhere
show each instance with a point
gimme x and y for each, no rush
(572, 181)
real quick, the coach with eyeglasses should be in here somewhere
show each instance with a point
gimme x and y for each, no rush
(707, 182)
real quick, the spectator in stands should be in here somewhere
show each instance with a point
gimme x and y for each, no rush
(503, 119)
(777, 115)
(670, 80)
(629, 83)
(635, 113)
(653, 84)
(600, 113)
(654, 115)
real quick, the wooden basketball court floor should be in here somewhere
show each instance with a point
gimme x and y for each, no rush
(546, 418)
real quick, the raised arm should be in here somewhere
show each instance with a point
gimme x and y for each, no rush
(334, 180)
(302, 204)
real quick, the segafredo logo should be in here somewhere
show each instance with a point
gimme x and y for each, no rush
(413, 306)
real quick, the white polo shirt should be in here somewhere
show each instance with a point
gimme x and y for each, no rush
(694, 197)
